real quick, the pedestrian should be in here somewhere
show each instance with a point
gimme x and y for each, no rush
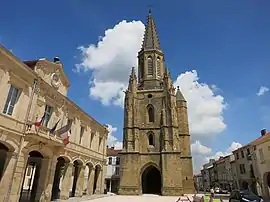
(212, 193)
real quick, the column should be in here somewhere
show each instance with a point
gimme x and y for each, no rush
(6, 178)
(66, 180)
(18, 176)
(90, 184)
(110, 188)
(50, 179)
(99, 181)
(45, 180)
(80, 181)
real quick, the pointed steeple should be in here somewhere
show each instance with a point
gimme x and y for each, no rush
(179, 95)
(150, 40)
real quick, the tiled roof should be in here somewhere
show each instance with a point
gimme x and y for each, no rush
(113, 152)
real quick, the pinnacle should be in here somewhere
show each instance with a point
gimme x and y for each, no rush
(179, 95)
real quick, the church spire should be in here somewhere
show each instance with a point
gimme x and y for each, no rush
(150, 40)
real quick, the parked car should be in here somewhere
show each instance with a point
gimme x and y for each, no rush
(217, 190)
(224, 191)
(244, 196)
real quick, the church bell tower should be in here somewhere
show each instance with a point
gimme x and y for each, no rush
(156, 155)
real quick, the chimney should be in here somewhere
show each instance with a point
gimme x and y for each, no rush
(263, 131)
(56, 59)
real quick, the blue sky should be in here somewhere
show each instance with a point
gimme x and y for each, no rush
(226, 42)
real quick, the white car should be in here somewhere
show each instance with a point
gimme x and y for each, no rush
(217, 190)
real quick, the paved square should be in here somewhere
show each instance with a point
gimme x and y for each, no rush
(144, 198)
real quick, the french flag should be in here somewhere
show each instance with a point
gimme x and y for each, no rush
(40, 121)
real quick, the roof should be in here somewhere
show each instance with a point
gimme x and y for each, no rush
(260, 138)
(31, 63)
(150, 39)
(113, 152)
(179, 95)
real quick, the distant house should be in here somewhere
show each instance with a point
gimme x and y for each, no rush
(112, 178)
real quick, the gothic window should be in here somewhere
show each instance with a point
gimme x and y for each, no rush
(158, 66)
(151, 113)
(150, 65)
(151, 139)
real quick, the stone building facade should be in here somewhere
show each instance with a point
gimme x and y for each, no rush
(261, 164)
(244, 168)
(224, 172)
(112, 178)
(36, 163)
(156, 155)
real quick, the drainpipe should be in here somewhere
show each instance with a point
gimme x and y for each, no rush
(22, 138)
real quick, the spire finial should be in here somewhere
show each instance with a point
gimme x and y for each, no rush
(149, 11)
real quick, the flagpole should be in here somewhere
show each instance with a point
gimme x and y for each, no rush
(22, 138)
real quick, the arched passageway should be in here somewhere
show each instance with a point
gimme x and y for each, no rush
(244, 185)
(96, 176)
(75, 173)
(59, 172)
(31, 177)
(151, 181)
(3, 158)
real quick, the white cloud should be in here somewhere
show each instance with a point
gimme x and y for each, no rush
(112, 140)
(202, 154)
(111, 61)
(205, 109)
(262, 90)
(198, 148)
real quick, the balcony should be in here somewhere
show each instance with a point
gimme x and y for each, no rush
(42, 134)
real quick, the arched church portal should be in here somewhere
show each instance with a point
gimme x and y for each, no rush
(151, 181)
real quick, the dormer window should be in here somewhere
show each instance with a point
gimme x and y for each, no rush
(150, 65)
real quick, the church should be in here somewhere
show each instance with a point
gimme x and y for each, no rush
(156, 157)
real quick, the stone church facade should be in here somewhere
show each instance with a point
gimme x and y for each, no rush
(36, 163)
(156, 155)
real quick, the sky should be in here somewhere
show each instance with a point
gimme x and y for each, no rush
(216, 51)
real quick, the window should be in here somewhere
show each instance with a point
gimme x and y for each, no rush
(242, 168)
(150, 65)
(151, 113)
(100, 140)
(237, 155)
(117, 171)
(29, 171)
(242, 154)
(117, 160)
(48, 114)
(110, 161)
(81, 134)
(248, 151)
(261, 155)
(91, 138)
(69, 122)
(150, 139)
(158, 67)
(12, 98)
